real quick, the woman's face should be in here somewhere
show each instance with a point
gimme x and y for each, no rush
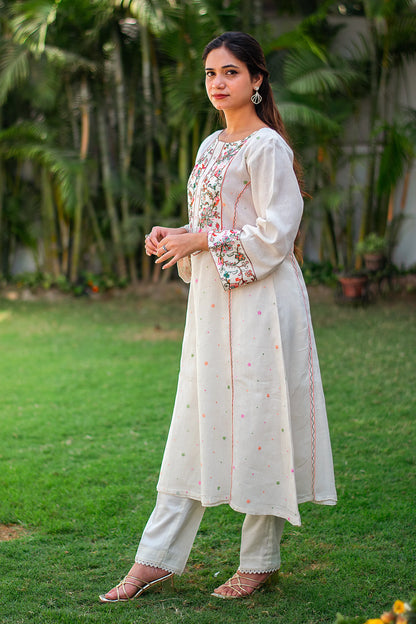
(228, 81)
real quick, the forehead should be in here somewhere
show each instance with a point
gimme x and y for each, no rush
(220, 57)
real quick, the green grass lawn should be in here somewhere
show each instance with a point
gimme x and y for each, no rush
(86, 390)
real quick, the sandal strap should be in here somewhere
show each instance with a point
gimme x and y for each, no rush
(239, 585)
(129, 580)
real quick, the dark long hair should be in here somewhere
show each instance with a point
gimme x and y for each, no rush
(248, 51)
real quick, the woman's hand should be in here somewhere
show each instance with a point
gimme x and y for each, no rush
(157, 234)
(173, 247)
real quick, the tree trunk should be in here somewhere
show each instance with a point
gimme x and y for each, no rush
(80, 186)
(51, 263)
(184, 166)
(147, 97)
(108, 194)
(102, 251)
(125, 125)
(2, 190)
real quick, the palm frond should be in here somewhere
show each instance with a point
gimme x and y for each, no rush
(153, 14)
(296, 40)
(306, 73)
(68, 60)
(28, 142)
(14, 67)
(399, 150)
(295, 113)
(29, 22)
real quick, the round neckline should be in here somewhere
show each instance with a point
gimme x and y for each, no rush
(239, 140)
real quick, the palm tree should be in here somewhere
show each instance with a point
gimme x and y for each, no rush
(313, 87)
(384, 53)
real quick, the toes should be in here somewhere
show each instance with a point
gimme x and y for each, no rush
(224, 590)
(110, 595)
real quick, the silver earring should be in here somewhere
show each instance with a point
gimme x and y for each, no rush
(256, 97)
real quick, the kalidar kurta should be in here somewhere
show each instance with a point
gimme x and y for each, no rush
(249, 426)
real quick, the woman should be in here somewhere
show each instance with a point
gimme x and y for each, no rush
(249, 425)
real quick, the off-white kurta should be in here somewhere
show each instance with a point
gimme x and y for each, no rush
(249, 426)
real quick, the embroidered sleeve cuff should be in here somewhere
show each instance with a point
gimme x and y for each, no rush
(233, 265)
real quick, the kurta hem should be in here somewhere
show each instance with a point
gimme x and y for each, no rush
(265, 510)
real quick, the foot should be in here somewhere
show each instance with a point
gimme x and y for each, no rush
(145, 573)
(242, 584)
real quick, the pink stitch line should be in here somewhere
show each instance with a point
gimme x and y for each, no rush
(232, 390)
(246, 255)
(234, 220)
(225, 173)
(311, 381)
(237, 200)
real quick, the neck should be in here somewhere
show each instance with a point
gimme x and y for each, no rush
(241, 123)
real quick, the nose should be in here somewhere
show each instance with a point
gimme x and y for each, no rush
(218, 82)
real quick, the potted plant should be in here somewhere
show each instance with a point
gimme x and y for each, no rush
(354, 286)
(372, 248)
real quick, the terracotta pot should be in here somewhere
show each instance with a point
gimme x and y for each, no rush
(353, 287)
(374, 261)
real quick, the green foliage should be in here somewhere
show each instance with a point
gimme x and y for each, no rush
(14, 67)
(341, 619)
(87, 391)
(116, 91)
(318, 273)
(372, 243)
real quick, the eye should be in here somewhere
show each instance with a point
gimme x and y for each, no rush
(209, 74)
(231, 72)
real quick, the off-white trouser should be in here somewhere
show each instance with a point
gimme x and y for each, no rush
(171, 529)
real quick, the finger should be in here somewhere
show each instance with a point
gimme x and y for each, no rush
(162, 245)
(162, 248)
(150, 249)
(163, 258)
(171, 263)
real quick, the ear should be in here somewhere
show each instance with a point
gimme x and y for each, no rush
(257, 80)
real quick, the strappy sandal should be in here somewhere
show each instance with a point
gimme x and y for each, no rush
(141, 585)
(240, 584)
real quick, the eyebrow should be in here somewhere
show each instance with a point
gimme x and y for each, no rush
(223, 67)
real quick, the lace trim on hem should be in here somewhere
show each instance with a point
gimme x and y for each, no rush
(152, 564)
(251, 571)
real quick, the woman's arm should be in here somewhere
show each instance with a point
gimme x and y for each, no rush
(255, 251)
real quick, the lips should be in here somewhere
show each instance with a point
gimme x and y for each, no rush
(219, 96)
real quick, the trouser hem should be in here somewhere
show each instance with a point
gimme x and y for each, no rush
(154, 564)
(252, 571)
